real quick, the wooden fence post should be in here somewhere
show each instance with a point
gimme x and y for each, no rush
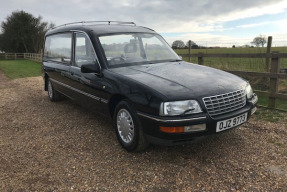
(200, 58)
(268, 51)
(189, 51)
(274, 81)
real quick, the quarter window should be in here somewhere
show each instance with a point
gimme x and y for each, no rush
(84, 52)
(58, 48)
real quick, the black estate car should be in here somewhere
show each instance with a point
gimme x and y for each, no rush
(130, 73)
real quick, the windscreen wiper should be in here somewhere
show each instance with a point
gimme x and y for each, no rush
(175, 60)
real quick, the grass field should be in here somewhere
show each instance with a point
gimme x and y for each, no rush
(14, 69)
(280, 104)
(241, 64)
(245, 64)
(270, 115)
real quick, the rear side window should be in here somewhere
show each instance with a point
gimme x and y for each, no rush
(58, 48)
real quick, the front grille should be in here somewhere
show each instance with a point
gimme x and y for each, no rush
(224, 103)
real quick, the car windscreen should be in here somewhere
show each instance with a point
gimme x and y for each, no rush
(135, 49)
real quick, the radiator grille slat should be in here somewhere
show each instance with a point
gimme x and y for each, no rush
(224, 103)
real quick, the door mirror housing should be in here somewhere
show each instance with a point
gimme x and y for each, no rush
(91, 68)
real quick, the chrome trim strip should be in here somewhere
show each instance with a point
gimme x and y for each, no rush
(79, 91)
(170, 120)
(104, 101)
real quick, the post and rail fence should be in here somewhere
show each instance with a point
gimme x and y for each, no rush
(274, 75)
(37, 57)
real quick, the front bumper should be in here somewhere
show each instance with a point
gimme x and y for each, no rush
(152, 131)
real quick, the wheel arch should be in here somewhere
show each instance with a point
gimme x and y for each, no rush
(115, 99)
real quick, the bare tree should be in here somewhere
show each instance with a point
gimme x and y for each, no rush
(178, 44)
(259, 41)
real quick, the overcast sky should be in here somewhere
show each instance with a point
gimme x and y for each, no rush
(207, 22)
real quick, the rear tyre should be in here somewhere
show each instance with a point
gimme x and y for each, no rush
(52, 93)
(128, 128)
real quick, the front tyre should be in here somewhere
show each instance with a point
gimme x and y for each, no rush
(128, 128)
(52, 93)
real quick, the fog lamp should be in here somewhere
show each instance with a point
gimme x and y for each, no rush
(194, 128)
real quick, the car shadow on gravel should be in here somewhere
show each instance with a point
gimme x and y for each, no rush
(210, 143)
(213, 148)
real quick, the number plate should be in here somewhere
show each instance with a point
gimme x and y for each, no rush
(230, 123)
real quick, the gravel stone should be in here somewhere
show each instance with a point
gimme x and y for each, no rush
(60, 146)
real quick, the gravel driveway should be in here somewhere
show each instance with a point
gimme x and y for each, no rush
(61, 146)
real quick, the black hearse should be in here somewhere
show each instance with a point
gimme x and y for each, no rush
(131, 74)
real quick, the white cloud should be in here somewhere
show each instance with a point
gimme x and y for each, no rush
(211, 17)
(161, 14)
(258, 9)
(253, 25)
(191, 16)
(210, 40)
(280, 23)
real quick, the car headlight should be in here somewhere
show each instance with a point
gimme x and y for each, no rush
(249, 91)
(179, 108)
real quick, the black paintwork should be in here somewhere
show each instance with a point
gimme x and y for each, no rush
(182, 80)
(144, 86)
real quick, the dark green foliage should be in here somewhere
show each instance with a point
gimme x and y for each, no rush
(1, 43)
(178, 44)
(22, 32)
(191, 42)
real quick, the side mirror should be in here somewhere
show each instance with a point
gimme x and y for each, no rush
(91, 68)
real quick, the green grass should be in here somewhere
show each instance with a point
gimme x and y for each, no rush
(280, 104)
(242, 64)
(270, 115)
(14, 69)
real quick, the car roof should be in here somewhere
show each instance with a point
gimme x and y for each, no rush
(101, 29)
